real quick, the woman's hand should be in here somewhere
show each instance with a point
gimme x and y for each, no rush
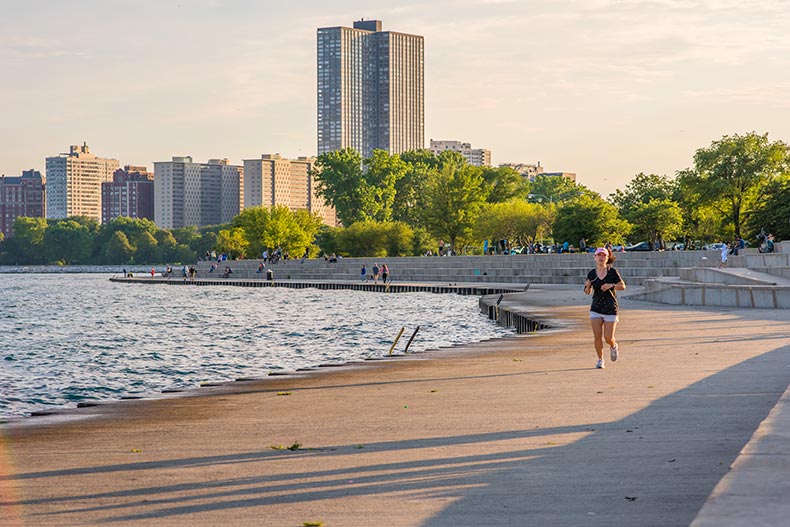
(587, 286)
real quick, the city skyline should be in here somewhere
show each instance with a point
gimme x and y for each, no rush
(605, 89)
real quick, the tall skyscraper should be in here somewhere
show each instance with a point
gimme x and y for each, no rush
(188, 193)
(370, 89)
(74, 183)
(20, 196)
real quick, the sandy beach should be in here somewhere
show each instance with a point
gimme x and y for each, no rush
(518, 431)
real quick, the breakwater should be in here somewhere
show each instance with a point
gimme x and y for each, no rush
(399, 287)
(489, 304)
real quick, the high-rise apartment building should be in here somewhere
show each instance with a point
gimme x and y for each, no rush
(74, 183)
(20, 196)
(370, 89)
(129, 194)
(273, 180)
(188, 193)
(479, 157)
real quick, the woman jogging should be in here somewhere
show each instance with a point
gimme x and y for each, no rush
(602, 282)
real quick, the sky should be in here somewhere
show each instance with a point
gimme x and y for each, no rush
(603, 88)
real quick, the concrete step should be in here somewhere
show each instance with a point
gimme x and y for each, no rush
(723, 295)
(731, 275)
(540, 268)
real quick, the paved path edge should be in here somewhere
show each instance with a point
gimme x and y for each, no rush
(755, 490)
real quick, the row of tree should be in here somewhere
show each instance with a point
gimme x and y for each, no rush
(404, 204)
(737, 186)
(80, 240)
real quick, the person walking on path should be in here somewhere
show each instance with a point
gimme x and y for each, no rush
(363, 274)
(385, 272)
(602, 282)
(375, 273)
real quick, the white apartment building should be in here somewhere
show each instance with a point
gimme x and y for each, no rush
(188, 193)
(74, 183)
(274, 180)
(479, 157)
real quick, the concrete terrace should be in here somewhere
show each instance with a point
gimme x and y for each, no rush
(635, 268)
(749, 280)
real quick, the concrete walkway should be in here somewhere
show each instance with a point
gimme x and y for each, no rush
(520, 431)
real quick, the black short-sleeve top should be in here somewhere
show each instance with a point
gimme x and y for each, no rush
(604, 302)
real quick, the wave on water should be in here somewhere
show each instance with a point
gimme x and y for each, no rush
(79, 337)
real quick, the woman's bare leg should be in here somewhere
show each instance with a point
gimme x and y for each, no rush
(597, 327)
(608, 333)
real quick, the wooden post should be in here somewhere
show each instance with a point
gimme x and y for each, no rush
(396, 340)
(412, 338)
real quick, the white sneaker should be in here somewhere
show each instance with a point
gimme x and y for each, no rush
(600, 365)
(613, 352)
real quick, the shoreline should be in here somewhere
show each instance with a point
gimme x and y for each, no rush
(87, 407)
(504, 432)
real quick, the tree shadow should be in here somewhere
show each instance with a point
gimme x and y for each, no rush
(656, 466)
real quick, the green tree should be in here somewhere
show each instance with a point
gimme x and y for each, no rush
(232, 242)
(185, 235)
(454, 197)
(147, 249)
(167, 245)
(642, 189)
(773, 210)
(89, 223)
(408, 201)
(398, 238)
(355, 194)
(657, 221)
(204, 242)
(422, 241)
(516, 220)
(133, 228)
(291, 231)
(340, 181)
(185, 254)
(27, 243)
(254, 221)
(193, 241)
(592, 218)
(730, 173)
(419, 157)
(505, 184)
(557, 189)
(118, 250)
(68, 241)
(648, 204)
(327, 239)
(363, 238)
(383, 171)
(304, 236)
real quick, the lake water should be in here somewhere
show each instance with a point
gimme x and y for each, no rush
(70, 338)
